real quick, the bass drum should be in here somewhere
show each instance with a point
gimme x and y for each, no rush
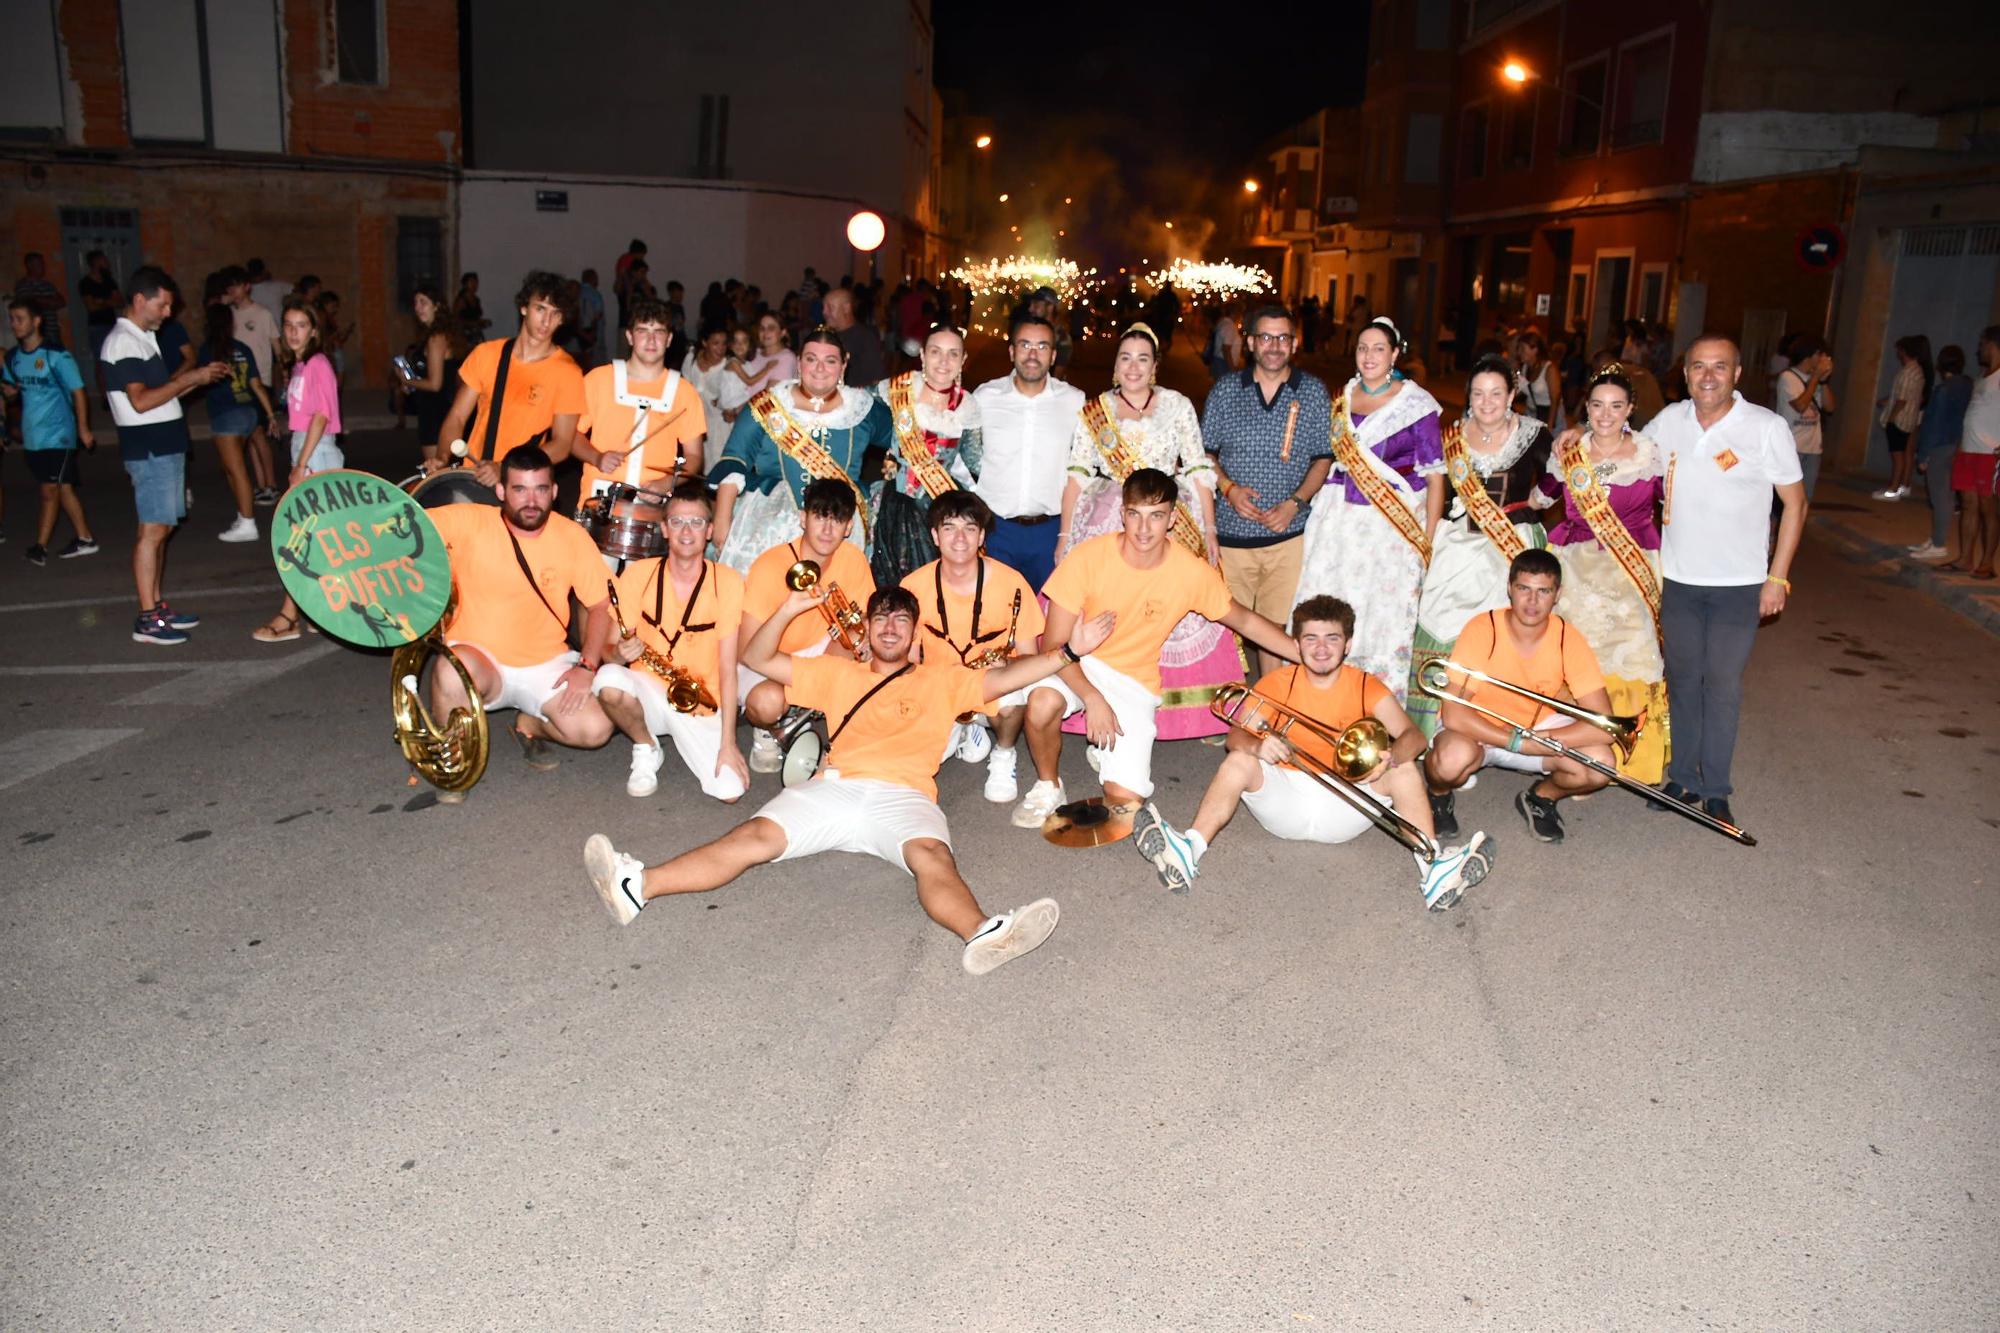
(453, 486)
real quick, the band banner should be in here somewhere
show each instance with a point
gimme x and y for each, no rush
(361, 558)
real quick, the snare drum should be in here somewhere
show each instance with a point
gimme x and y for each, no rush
(453, 486)
(624, 521)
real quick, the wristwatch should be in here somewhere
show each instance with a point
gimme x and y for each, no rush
(1070, 654)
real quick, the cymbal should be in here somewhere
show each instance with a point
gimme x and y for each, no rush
(1090, 823)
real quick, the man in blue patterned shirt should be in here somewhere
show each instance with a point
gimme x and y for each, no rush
(1270, 430)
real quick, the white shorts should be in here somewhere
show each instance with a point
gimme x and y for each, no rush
(1292, 805)
(832, 814)
(1129, 762)
(748, 680)
(697, 736)
(1531, 758)
(526, 688)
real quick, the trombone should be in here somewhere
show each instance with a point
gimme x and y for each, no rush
(843, 617)
(1357, 749)
(1435, 678)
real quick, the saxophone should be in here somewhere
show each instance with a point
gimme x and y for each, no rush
(1003, 654)
(685, 690)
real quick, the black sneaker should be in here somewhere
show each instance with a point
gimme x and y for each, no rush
(1444, 818)
(1545, 822)
(37, 554)
(1717, 807)
(1678, 792)
(266, 496)
(80, 546)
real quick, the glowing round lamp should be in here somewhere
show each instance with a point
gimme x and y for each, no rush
(865, 231)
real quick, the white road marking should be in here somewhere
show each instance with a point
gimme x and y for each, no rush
(188, 595)
(36, 752)
(219, 682)
(96, 668)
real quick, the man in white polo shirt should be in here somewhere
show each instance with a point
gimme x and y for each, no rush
(152, 436)
(1028, 419)
(1724, 458)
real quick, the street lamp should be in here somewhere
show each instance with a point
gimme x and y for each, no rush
(983, 141)
(1515, 72)
(1003, 198)
(866, 232)
(1250, 187)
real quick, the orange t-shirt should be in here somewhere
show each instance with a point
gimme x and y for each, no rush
(951, 634)
(653, 611)
(537, 393)
(608, 422)
(1561, 664)
(496, 608)
(1351, 696)
(1094, 577)
(764, 589)
(899, 734)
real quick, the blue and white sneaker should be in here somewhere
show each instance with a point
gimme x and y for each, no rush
(620, 880)
(152, 627)
(1172, 852)
(178, 619)
(1454, 870)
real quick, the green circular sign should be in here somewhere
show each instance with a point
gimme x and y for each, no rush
(361, 558)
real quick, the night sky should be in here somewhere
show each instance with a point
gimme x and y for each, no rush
(1141, 112)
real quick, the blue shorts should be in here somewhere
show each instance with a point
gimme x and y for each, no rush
(239, 420)
(159, 487)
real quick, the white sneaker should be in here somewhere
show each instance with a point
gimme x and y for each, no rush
(975, 742)
(1454, 870)
(1001, 783)
(1928, 551)
(1040, 802)
(766, 755)
(620, 880)
(1172, 852)
(1886, 493)
(1094, 757)
(646, 761)
(1006, 937)
(242, 529)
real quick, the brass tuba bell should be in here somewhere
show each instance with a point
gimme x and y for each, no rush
(451, 756)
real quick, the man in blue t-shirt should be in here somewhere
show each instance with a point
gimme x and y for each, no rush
(55, 418)
(152, 437)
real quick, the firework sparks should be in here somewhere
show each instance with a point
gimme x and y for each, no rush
(1202, 279)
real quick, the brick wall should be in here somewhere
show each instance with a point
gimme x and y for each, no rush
(404, 118)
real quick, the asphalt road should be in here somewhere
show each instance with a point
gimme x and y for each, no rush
(289, 1046)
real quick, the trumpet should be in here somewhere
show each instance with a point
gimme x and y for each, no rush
(1003, 654)
(843, 617)
(686, 692)
(1357, 750)
(1435, 679)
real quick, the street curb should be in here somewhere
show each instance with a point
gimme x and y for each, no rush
(1862, 550)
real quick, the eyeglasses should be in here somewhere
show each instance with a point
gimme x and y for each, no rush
(687, 522)
(1034, 346)
(1272, 339)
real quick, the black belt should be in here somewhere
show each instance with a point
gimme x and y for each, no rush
(1029, 520)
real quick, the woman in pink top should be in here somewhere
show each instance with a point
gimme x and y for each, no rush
(773, 363)
(312, 412)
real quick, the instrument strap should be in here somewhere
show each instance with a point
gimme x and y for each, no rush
(659, 605)
(529, 574)
(873, 690)
(944, 616)
(493, 423)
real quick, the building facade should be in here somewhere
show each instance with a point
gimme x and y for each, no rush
(322, 138)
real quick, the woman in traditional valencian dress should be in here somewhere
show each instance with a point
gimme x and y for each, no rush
(1368, 538)
(1136, 425)
(1493, 457)
(1609, 479)
(936, 449)
(814, 426)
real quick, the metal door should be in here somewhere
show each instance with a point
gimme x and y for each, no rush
(115, 231)
(1947, 287)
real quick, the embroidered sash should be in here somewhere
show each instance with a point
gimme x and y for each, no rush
(1593, 500)
(803, 449)
(1121, 463)
(917, 456)
(1372, 475)
(1471, 488)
